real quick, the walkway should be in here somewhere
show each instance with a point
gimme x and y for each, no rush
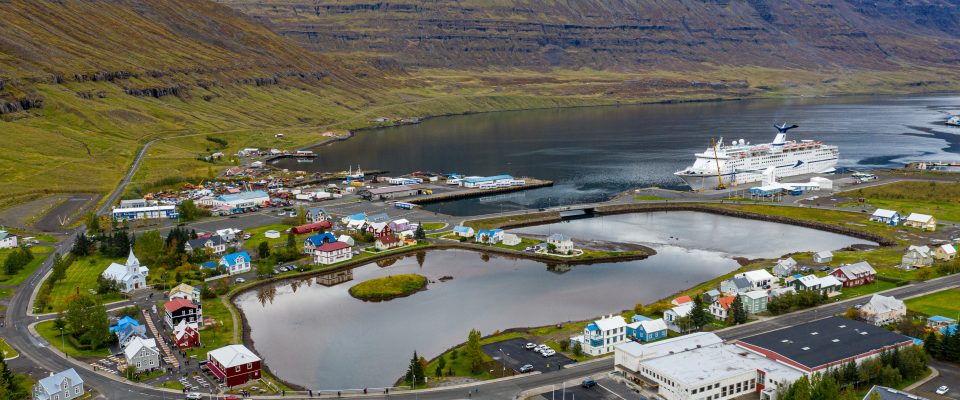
(171, 359)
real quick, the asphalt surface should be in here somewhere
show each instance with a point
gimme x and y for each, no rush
(949, 376)
(513, 355)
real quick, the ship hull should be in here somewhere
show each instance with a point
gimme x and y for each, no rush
(699, 182)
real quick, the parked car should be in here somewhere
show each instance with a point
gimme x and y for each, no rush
(293, 214)
(246, 236)
(943, 389)
(548, 353)
(824, 268)
(805, 269)
(282, 213)
(530, 346)
(588, 383)
(526, 368)
(194, 396)
(240, 280)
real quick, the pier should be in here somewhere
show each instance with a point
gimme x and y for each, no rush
(463, 193)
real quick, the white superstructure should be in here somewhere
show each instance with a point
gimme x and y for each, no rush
(740, 162)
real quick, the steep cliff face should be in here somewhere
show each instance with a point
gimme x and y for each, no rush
(622, 34)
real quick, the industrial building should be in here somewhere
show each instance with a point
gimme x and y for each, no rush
(148, 212)
(391, 192)
(826, 343)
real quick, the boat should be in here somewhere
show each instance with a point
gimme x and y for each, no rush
(741, 162)
(954, 121)
(351, 176)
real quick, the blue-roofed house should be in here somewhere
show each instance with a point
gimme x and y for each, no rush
(463, 231)
(124, 322)
(312, 242)
(355, 221)
(236, 263)
(127, 328)
(488, 235)
(647, 331)
(948, 330)
(209, 265)
(63, 385)
(638, 318)
(939, 321)
(478, 181)
(711, 296)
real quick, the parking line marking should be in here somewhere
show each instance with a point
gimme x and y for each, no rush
(611, 392)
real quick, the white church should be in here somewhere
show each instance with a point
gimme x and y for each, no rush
(131, 276)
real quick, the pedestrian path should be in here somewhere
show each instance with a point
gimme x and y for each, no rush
(160, 342)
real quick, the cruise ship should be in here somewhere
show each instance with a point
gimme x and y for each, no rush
(740, 162)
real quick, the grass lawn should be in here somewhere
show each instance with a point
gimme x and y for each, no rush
(843, 218)
(81, 276)
(8, 352)
(40, 253)
(849, 293)
(48, 332)
(388, 287)
(497, 222)
(216, 335)
(171, 385)
(945, 303)
(940, 199)
(6, 292)
(460, 366)
(524, 243)
(432, 226)
(649, 198)
(257, 236)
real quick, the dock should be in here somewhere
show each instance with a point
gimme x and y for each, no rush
(531, 183)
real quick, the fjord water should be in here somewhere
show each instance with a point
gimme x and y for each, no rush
(322, 338)
(594, 153)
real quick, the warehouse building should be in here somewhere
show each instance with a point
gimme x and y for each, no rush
(823, 344)
(149, 212)
(391, 192)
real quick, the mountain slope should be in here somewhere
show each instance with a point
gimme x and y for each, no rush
(625, 35)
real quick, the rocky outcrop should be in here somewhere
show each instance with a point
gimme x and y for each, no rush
(614, 34)
(18, 105)
(158, 92)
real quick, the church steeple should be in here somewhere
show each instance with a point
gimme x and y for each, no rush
(132, 260)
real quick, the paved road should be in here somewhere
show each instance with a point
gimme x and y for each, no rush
(949, 376)
(812, 314)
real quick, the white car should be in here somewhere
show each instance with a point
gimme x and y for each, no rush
(240, 280)
(548, 353)
(282, 213)
(943, 389)
(541, 348)
(194, 396)
(530, 346)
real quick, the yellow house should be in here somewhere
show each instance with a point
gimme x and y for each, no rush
(945, 252)
(921, 221)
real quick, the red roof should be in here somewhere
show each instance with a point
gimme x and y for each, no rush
(328, 247)
(389, 239)
(682, 299)
(725, 302)
(176, 304)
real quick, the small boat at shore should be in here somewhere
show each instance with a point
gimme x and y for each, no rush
(953, 121)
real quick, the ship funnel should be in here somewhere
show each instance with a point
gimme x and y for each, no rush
(780, 139)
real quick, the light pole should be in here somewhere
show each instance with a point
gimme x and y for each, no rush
(63, 346)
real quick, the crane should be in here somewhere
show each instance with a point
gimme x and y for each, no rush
(716, 159)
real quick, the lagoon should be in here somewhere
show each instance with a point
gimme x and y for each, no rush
(322, 338)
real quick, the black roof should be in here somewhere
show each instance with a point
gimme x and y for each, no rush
(892, 394)
(825, 341)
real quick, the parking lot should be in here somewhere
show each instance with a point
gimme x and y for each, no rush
(949, 376)
(511, 354)
(606, 389)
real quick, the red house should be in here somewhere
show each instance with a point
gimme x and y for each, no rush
(186, 335)
(234, 365)
(857, 274)
(314, 227)
(379, 229)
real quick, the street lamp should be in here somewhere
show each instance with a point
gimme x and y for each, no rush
(63, 346)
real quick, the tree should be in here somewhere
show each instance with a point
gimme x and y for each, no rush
(301, 216)
(59, 323)
(825, 388)
(799, 390)
(738, 311)
(87, 320)
(263, 269)
(414, 370)
(441, 364)
(419, 234)
(685, 324)
(93, 224)
(206, 293)
(81, 245)
(263, 249)
(699, 315)
(848, 373)
(472, 351)
(852, 313)
(291, 242)
(638, 309)
(149, 248)
(59, 268)
(577, 349)
(189, 211)
(564, 344)
(890, 376)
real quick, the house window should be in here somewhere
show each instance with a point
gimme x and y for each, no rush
(237, 369)
(76, 390)
(249, 365)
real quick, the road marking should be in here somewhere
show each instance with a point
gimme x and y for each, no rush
(611, 392)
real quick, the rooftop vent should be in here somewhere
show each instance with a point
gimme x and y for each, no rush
(805, 348)
(835, 340)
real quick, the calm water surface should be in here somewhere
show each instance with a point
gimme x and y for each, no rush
(595, 153)
(322, 338)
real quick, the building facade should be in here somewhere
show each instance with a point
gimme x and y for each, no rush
(63, 385)
(330, 253)
(234, 365)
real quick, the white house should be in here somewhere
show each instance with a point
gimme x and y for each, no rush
(7, 240)
(130, 276)
(671, 316)
(347, 239)
(330, 253)
(142, 354)
(463, 231)
(63, 385)
(184, 291)
(921, 221)
(888, 217)
(236, 263)
(601, 335)
(823, 257)
(563, 243)
(758, 278)
(882, 310)
(510, 239)
(785, 267)
(917, 257)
